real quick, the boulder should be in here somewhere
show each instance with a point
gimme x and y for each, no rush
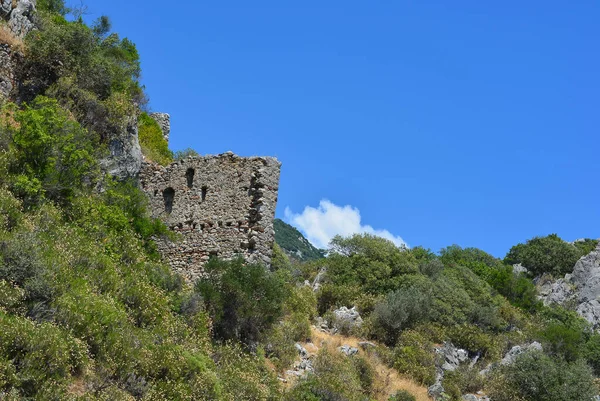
(345, 319)
(348, 350)
(517, 350)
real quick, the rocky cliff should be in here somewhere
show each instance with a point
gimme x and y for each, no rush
(580, 290)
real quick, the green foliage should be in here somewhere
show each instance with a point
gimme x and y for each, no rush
(335, 378)
(279, 260)
(50, 156)
(38, 356)
(93, 75)
(293, 242)
(401, 310)
(184, 154)
(545, 255)
(537, 377)
(586, 245)
(54, 6)
(299, 309)
(373, 264)
(413, 356)
(243, 300)
(591, 353)
(518, 289)
(402, 395)
(461, 381)
(154, 146)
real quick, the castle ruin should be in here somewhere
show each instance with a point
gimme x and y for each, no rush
(220, 205)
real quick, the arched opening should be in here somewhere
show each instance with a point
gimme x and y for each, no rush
(168, 197)
(189, 175)
(204, 190)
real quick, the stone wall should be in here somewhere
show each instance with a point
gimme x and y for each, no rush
(220, 205)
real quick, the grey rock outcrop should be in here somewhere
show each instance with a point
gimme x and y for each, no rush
(125, 158)
(512, 355)
(348, 350)
(517, 350)
(560, 291)
(450, 358)
(519, 268)
(164, 122)
(582, 288)
(475, 397)
(345, 319)
(21, 17)
(7, 74)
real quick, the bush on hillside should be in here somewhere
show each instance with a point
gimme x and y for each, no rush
(243, 300)
(537, 377)
(50, 156)
(153, 144)
(374, 264)
(545, 255)
(335, 378)
(518, 289)
(414, 356)
(400, 310)
(402, 395)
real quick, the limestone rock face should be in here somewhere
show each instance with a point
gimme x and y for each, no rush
(582, 288)
(21, 18)
(586, 276)
(125, 158)
(164, 121)
(517, 350)
(7, 68)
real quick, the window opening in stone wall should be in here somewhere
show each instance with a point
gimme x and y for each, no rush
(204, 190)
(168, 197)
(189, 175)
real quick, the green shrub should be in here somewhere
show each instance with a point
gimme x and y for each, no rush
(545, 255)
(36, 355)
(334, 378)
(154, 146)
(413, 356)
(518, 289)
(184, 154)
(461, 381)
(366, 373)
(243, 300)
(400, 310)
(586, 245)
(373, 264)
(245, 376)
(537, 377)
(51, 156)
(402, 395)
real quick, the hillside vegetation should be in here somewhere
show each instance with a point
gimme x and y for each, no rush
(89, 311)
(294, 244)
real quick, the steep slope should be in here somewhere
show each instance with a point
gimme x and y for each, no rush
(294, 244)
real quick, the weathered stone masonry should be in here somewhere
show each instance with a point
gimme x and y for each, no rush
(221, 205)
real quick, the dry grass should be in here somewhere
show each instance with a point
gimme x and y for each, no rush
(7, 37)
(387, 381)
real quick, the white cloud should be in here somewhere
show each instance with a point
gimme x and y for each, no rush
(324, 222)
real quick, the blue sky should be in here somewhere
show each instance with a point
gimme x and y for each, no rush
(467, 122)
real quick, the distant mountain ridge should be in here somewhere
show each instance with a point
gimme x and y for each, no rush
(294, 244)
